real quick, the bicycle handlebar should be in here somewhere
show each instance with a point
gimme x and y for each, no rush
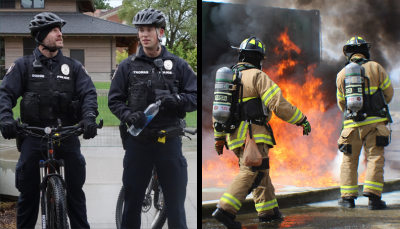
(190, 131)
(60, 129)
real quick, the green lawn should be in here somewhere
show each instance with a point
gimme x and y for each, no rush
(109, 119)
(102, 85)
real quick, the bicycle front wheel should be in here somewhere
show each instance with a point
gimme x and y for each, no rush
(154, 213)
(56, 204)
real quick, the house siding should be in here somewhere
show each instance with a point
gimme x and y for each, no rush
(50, 5)
(96, 51)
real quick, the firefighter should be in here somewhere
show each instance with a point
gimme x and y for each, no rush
(365, 127)
(259, 92)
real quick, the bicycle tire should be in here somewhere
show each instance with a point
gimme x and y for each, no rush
(160, 218)
(56, 204)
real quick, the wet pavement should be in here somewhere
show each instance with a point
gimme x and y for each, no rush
(103, 178)
(327, 215)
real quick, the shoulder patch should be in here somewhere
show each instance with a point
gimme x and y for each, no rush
(10, 68)
(191, 69)
(87, 73)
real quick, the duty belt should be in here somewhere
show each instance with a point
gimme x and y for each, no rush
(153, 134)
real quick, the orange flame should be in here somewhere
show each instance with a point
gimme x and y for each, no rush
(298, 160)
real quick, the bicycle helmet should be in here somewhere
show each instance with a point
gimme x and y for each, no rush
(45, 20)
(252, 44)
(150, 17)
(355, 44)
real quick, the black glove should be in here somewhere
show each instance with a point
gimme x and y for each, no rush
(9, 128)
(306, 126)
(89, 123)
(137, 119)
(170, 101)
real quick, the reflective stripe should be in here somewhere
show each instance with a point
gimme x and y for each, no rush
(241, 136)
(386, 83)
(270, 93)
(339, 95)
(219, 134)
(372, 90)
(247, 99)
(266, 205)
(349, 189)
(263, 138)
(368, 120)
(252, 41)
(296, 117)
(231, 200)
(373, 185)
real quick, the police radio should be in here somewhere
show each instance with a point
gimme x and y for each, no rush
(225, 100)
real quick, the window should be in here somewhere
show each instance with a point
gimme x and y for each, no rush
(32, 4)
(79, 55)
(2, 58)
(29, 45)
(7, 4)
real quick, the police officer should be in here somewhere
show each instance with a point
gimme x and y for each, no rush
(366, 126)
(52, 87)
(260, 93)
(140, 82)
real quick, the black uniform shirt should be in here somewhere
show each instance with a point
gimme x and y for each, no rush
(118, 94)
(12, 86)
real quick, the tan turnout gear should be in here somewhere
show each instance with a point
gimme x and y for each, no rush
(256, 84)
(367, 132)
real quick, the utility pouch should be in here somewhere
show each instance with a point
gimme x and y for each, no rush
(170, 132)
(253, 109)
(30, 106)
(138, 96)
(123, 131)
(63, 104)
(55, 102)
(344, 142)
(382, 139)
(75, 110)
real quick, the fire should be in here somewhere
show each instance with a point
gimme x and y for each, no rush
(304, 161)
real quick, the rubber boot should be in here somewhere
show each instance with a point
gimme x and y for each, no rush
(226, 218)
(375, 202)
(268, 218)
(347, 202)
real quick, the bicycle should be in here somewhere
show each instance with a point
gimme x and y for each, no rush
(52, 184)
(153, 207)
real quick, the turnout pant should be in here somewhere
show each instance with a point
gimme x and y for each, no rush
(372, 136)
(27, 180)
(171, 166)
(248, 180)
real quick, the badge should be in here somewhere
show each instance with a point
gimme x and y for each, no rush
(85, 70)
(10, 68)
(168, 64)
(65, 69)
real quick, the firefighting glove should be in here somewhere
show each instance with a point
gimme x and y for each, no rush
(219, 146)
(171, 101)
(137, 119)
(9, 128)
(306, 126)
(90, 126)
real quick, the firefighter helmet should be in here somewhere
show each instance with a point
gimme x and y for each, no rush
(252, 44)
(356, 41)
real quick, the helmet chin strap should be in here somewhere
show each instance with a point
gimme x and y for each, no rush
(159, 39)
(45, 46)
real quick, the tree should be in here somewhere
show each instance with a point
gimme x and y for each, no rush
(181, 18)
(101, 4)
(121, 56)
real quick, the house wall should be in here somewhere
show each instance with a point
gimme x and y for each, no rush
(50, 5)
(114, 18)
(97, 53)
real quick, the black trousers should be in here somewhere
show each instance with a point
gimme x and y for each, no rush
(171, 166)
(27, 180)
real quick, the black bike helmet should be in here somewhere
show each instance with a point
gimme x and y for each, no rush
(356, 42)
(45, 20)
(149, 17)
(252, 44)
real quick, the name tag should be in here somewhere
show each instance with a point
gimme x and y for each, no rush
(140, 72)
(37, 76)
(167, 72)
(63, 77)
